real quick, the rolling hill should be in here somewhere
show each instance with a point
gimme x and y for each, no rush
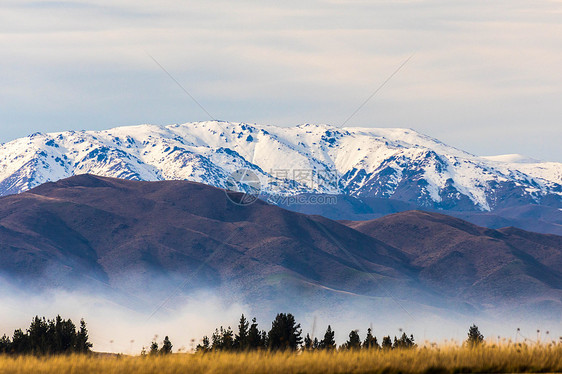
(138, 241)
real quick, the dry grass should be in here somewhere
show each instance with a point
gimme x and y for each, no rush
(508, 358)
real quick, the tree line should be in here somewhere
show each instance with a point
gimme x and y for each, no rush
(166, 348)
(44, 337)
(286, 334)
(60, 336)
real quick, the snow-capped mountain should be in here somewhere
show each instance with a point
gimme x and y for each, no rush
(363, 162)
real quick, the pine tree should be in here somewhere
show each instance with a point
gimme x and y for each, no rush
(386, 342)
(328, 342)
(370, 341)
(82, 345)
(63, 335)
(5, 344)
(223, 339)
(205, 345)
(475, 338)
(307, 345)
(227, 339)
(166, 346)
(264, 340)
(38, 336)
(153, 349)
(241, 339)
(404, 342)
(285, 333)
(216, 340)
(44, 336)
(354, 342)
(255, 340)
(20, 342)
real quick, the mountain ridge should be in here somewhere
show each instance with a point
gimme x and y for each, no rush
(394, 163)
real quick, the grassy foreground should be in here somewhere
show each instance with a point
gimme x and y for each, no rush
(499, 359)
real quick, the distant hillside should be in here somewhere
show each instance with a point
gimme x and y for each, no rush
(471, 262)
(531, 217)
(136, 239)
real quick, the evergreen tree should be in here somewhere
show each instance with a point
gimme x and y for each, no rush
(264, 340)
(285, 333)
(20, 342)
(354, 342)
(39, 341)
(48, 337)
(63, 335)
(227, 339)
(307, 345)
(205, 345)
(386, 342)
(328, 342)
(255, 340)
(82, 344)
(475, 338)
(223, 339)
(404, 342)
(216, 340)
(166, 346)
(5, 344)
(153, 349)
(241, 339)
(370, 341)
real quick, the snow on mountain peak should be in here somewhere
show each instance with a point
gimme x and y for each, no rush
(513, 158)
(380, 162)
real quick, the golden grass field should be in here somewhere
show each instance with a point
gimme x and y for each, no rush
(510, 358)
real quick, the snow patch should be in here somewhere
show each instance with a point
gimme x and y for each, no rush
(374, 161)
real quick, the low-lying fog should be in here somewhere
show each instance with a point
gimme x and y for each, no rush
(114, 327)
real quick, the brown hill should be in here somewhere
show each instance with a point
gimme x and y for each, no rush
(463, 260)
(132, 236)
(136, 239)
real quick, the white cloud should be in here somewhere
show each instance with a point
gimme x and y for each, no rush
(478, 67)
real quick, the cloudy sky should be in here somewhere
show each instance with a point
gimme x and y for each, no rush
(485, 76)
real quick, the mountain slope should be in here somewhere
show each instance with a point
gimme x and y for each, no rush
(367, 163)
(460, 258)
(530, 217)
(140, 239)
